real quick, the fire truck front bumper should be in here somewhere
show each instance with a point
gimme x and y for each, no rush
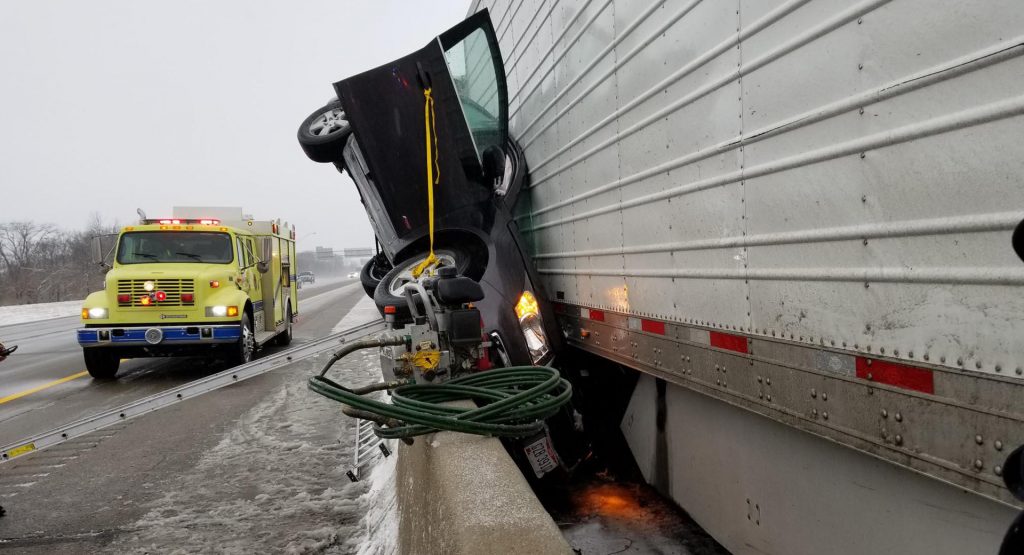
(152, 336)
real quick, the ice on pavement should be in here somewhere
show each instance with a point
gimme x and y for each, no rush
(276, 482)
(364, 311)
(21, 313)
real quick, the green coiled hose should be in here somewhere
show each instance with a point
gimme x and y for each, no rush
(516, 401)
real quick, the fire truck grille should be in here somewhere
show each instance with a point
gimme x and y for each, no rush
(173, 288)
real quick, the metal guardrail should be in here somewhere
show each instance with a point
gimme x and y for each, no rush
(175, 395)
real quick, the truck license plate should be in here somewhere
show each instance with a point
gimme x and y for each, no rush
(541, 455)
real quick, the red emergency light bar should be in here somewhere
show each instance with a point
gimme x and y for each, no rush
(179, 221)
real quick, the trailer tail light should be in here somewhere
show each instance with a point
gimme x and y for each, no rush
(187, 297)
(124, 298)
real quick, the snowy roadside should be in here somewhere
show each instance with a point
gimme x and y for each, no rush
(22, 313)
(276, 482)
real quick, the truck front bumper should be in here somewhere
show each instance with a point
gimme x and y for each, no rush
(151, 336)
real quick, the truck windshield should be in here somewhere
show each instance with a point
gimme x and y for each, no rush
(145, 247)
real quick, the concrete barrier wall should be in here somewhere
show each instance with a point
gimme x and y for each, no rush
(462, 494)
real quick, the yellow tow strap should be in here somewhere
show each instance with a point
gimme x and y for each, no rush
(433, 176)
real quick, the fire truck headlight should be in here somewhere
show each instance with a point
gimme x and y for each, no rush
(528, 312)
(95, 313)
(221, 311)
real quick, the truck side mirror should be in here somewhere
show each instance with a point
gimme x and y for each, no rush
(98, 256)
(493, 162)
(266, 254)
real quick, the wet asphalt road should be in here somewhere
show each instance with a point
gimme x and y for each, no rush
(84, 494)
(44, 384)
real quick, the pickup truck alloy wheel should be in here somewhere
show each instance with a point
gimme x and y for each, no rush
(323, 134)
(373, 271)
(391, 289)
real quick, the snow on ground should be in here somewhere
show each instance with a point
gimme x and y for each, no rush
(275, 483)
(364, 311)
(21, 313)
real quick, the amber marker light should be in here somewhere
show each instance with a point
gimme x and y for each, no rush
(527, 305)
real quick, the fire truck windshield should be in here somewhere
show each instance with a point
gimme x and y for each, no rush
(146, 247)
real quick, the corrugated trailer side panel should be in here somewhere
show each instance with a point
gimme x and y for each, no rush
(832, 182)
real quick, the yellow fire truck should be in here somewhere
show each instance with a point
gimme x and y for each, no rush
(207, 280)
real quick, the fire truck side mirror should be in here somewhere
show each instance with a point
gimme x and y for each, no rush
(98, 256)
(266, 254)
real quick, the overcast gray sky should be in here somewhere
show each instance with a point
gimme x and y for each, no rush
(109, 106)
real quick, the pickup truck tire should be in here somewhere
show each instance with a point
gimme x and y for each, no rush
(374, 271)
(387, 292)
(243, 351)
(285, 337)
(101, 363)
(323, 134)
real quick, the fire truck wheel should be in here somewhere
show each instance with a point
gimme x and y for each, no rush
(390, 290)
(322, 135)
(374, 271)
(245, 348)
(101, 363)
(285, 337)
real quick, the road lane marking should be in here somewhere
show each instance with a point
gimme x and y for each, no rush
(21, 394)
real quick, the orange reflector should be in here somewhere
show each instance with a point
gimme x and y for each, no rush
(85, 313)
(390, 309)
(232, 311)
(145, 300)
(214, 284)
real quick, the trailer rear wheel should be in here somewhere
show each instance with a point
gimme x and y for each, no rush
(101, 363)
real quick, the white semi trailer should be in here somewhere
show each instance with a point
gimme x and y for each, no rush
(793, 217)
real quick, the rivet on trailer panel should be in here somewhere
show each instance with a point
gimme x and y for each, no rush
(998, 470)
(999, 368)
(824, 415)
(978, 439)
(814, 413)
(885, 413)
(926, 357)
(899, 417)
(898, 440)
(824, 396)
(998, 445)
(814, 393)
(978, 464)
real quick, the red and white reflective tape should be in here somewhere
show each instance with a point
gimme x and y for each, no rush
(900, 375)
